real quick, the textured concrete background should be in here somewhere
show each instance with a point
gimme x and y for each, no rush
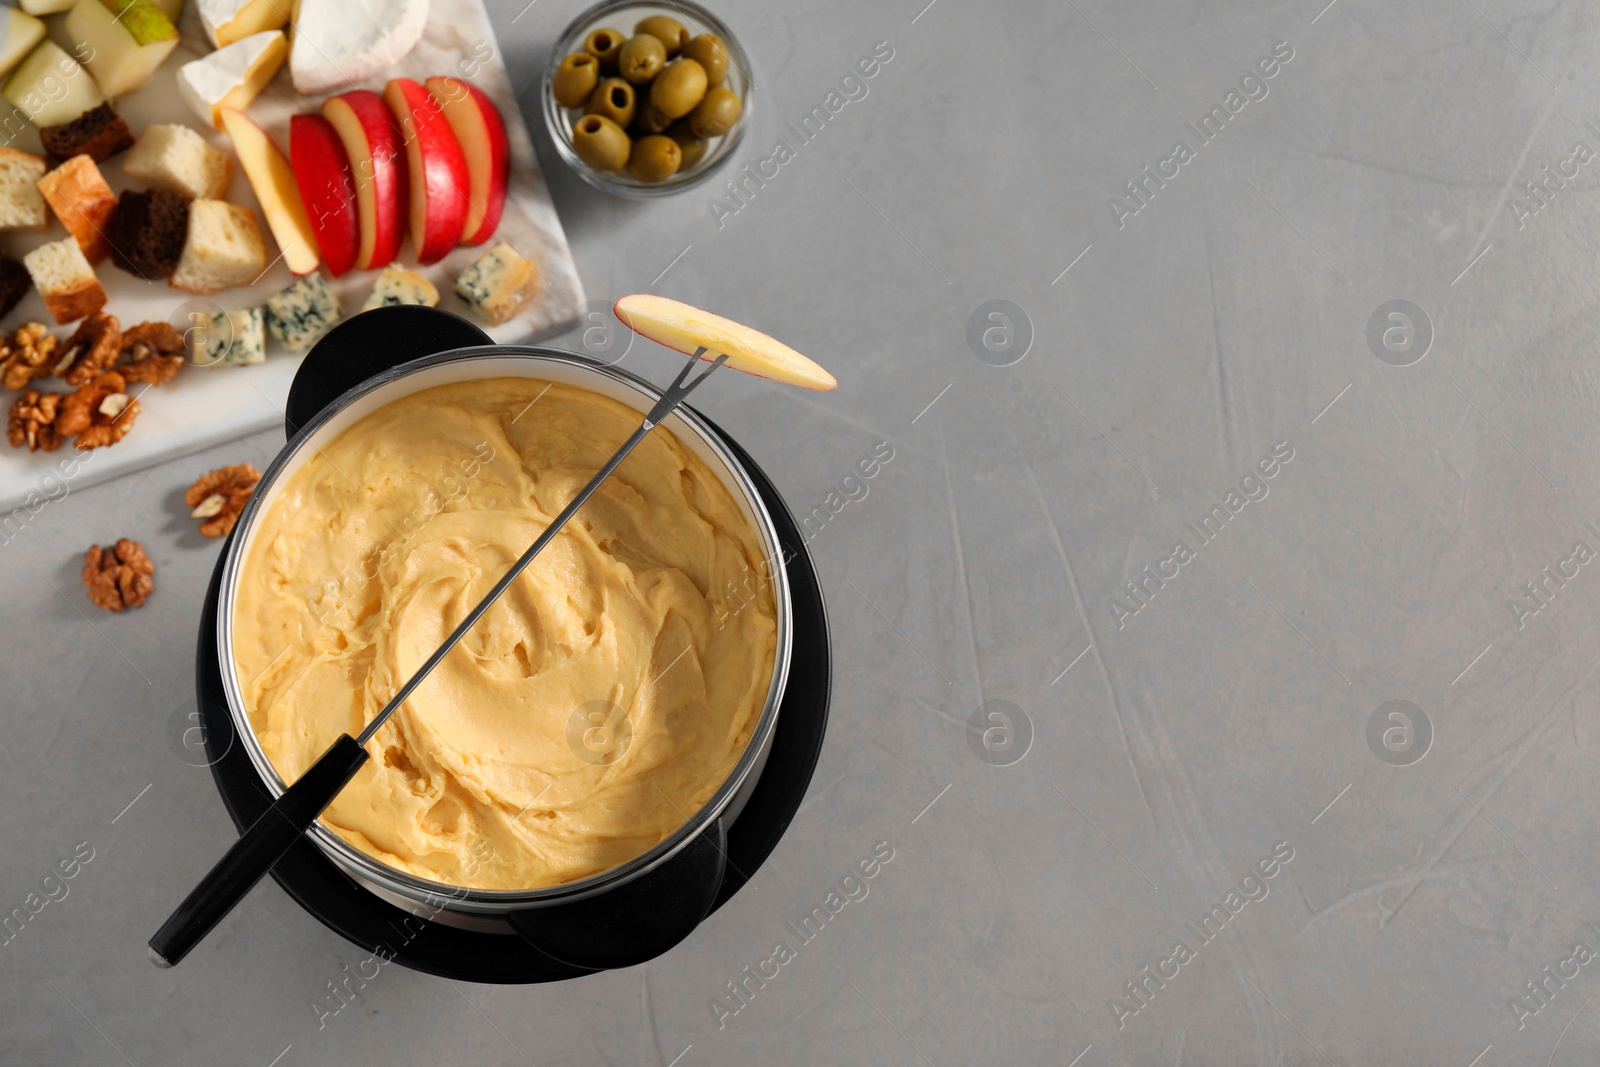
(1237, 318)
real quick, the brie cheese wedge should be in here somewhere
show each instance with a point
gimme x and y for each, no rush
(226, 21)
(232, 76)
(338, 43)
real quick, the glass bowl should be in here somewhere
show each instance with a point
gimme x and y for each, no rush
(622, 16)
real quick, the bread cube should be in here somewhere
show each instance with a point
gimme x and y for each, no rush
(14, 282)
(223, 248)
(63, 276)
(98, 133)
(22, 206)
(178, 160)
(148, 232)
(78, 194)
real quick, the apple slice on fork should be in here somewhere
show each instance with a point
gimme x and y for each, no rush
(687, 329)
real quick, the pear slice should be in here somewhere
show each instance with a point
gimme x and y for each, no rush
(19, 32)
(686, 328)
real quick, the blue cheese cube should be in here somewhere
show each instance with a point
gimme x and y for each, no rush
(231, 338)
(499, 284)
(396, 285)
(303, 312)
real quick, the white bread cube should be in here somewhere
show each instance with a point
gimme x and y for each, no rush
(63, 276)
(223, 248)
(22, 206)
(179, 160)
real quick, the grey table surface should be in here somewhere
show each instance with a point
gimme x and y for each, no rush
(1424, 537)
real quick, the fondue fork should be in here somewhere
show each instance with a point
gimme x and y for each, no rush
(267, 840)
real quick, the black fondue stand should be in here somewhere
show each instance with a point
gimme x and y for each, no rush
(614, 928)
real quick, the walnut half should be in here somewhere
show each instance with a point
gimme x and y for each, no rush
(219, 497)
(100, 413)
(118, 577)
(151, 352)
(32, 422)
(28, 353)
(92, 348)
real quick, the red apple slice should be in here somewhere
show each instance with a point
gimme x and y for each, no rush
(377, 162)
(440, 185)
(482, 133)
(687, 329)
(322, 171)
(275, 188)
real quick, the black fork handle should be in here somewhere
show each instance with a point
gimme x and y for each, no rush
(256, 852)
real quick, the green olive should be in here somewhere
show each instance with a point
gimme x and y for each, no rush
(600, 143)
(613, 98)
(575, 79)
(694, 148)
(604, 44)
(678, 88)
(646, 119)
(716, 113)
(641, 59)
(654, 159)
(666, 29)
(709, 51)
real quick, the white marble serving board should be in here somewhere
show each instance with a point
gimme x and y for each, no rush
(204, 406)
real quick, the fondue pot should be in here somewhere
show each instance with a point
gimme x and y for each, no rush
(619, 917)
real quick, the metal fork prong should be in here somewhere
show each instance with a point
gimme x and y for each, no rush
(677, 383)
(680, 388)
(719, 361)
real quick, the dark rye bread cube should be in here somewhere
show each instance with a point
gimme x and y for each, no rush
(148, 232)
(98, 133)
(15, 281)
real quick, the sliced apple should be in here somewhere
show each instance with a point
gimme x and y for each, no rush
(327, 188)
(371, 140)
(273, 181)
(482, 134)
(123, 41)
(440, 185)
(688, 329)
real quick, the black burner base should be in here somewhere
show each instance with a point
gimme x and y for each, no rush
(353, 912)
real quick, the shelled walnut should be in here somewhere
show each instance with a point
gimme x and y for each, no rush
(151, 352)
(92, 348)
(219, 497)
(118, 577)
(32, 421)
(100, 413)
(28, 353)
